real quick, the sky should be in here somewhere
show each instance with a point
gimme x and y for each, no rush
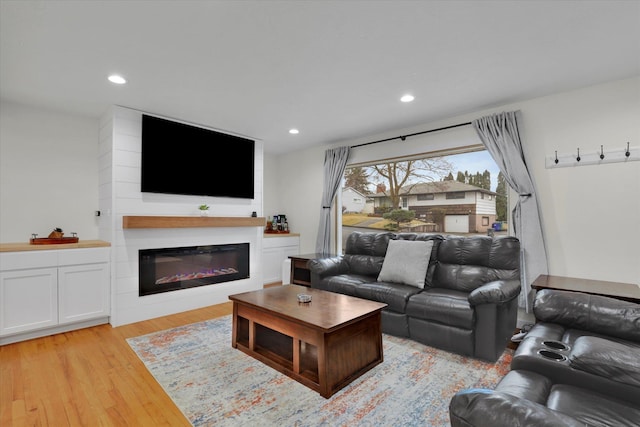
(477, 161)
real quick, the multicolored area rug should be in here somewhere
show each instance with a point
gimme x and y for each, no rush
(215, 384)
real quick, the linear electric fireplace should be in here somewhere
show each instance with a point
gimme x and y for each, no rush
(172, 269)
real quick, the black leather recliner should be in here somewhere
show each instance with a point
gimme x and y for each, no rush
(579, 365)
(469, 301)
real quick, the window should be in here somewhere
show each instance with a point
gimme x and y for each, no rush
(443, 180)
(456, 195)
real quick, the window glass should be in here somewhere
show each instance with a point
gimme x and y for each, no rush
(461, 193)
(457, 195)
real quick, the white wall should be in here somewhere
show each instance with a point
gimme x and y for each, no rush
(591, 214)
(48, 173)
(301, 174)
(271, 195)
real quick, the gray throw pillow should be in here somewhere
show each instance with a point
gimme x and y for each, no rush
(406, 262)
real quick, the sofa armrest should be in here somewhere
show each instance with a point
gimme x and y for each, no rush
(496, 292)
(323, 267)
(484, 407)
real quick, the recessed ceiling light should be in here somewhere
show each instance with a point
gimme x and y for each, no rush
(119, 80)
(294, 131)
(407, 98)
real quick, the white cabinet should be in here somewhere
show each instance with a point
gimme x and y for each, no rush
(29, 300)
(83, 292)
(50, 291)
(275, 250)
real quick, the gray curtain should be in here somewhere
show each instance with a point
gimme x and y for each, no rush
(499, 134)
(335, 161)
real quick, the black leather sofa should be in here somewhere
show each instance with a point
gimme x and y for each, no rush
(578, 365)
(468, 302)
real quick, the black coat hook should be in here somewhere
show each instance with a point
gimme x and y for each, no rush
(556, 160)
(601, 153)
(627, 153)
(578, 158)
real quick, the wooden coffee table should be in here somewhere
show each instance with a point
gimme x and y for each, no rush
(324, 344)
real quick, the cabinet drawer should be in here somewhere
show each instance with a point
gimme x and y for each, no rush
(26, 260)
(279, 242)
(83, 256)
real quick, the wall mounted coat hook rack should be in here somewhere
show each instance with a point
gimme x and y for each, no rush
(594, 157)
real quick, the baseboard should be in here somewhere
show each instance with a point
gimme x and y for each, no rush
(52, 331)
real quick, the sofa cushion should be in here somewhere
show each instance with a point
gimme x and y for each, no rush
(395, 295)
(465, 263)
(372, 244)
(592, 408)
(445, 306)
(406, 262)
(367, 265)
(610, 359)
(576, 310)
(344, 283)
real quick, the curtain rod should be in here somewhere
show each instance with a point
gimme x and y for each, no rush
(403, 137)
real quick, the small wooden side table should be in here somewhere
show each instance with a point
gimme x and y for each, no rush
(623, 291)
(300, 273)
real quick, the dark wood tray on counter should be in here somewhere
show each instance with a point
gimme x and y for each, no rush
(53, 241)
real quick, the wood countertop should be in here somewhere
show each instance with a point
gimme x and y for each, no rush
(23, 247)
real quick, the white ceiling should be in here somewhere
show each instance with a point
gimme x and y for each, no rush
(333, 69)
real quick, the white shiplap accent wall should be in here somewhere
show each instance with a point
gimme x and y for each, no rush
(120, 145)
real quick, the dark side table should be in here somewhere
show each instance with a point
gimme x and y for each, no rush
(300, 273)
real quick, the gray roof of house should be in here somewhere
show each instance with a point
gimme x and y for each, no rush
(355, 191)
(436, 187)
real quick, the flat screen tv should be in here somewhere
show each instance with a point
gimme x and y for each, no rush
(182, 159)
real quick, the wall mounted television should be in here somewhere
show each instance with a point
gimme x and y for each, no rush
(182, 159)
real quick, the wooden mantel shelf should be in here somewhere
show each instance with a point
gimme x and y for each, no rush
(190, 221)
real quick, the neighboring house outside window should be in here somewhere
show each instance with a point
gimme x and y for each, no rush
(353, 201)
(447, 203)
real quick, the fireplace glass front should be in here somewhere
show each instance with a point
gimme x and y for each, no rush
(171, 269)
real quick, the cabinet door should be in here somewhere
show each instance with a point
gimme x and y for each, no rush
(29, 300)
(83, 292)
(272, 265)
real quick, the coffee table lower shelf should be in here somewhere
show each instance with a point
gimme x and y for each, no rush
(324, 361)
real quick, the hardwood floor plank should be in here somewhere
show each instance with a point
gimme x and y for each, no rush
(89, 377)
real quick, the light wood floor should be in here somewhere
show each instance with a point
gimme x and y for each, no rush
(89, 377)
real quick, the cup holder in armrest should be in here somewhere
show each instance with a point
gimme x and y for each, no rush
(556, 345)
(552, 355)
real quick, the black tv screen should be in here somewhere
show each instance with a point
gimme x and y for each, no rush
(182, 159)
